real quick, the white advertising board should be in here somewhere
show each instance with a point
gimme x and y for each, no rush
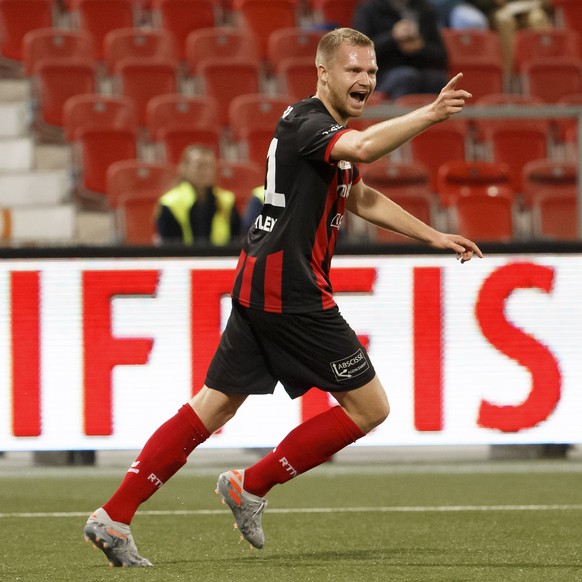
(96, 353)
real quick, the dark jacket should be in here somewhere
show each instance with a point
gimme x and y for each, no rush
(375, 18)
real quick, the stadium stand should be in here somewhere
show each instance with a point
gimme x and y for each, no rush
(252, 120)
(224, 78)
(551, 78)
(262, 17)
(478, 54)
(181, 17)
(138, 43)
(291, 42)
(42, 43)
(175, 121)
(133, 189)
(53, 81)
(407, 184)
(98, 17)
(102, 130)
(17, 17)
(142, 80)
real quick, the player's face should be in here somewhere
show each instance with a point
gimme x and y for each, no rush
(351, 79)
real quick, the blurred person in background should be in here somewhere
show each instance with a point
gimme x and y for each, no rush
(459, 14)
(410, 51)
(196, 211)
(506, 16)
(253, 207)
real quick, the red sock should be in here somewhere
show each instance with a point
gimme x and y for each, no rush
(163, 455)
(305, 447)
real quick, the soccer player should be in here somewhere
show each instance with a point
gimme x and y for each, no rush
(284, 325)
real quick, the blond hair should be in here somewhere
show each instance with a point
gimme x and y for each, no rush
(330, 43)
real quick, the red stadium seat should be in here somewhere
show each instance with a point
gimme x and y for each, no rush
(224, 78)
(568, 14)
(98, 17)
(142, 80)
(514, 141)
(336, 13)
(551, 78)
(138, 43)
(440, 143)
(530, 43)
(457, 178)
(43, 43)
(18, 17)
(546, 176)
(291, 42)
(181, 17)
(555, 216)
(175, 121)
(405, 183)
(418, 204)
(240, 178)
(478, 54)
(219, 42)
(102, 130)
(297, 76)
(133, 190)
(485, 215)
(252, 121)
(53, 81)
(385, 174)
(262, 17)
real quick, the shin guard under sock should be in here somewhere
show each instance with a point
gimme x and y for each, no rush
(306, 446)
(163, 455)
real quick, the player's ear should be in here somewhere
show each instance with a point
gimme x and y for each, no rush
(322, 73)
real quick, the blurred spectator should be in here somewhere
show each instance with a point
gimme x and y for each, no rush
(196, 210)
(460, 14)
(506, 16)
(410, 51)
(253, 208)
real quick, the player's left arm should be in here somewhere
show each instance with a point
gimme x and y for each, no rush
(374, 207)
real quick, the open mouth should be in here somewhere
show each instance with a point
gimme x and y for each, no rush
(359, 96)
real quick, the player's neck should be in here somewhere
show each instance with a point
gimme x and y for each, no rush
(342, 120)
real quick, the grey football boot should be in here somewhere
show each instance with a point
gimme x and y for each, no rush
(114, 539)
(246, 507)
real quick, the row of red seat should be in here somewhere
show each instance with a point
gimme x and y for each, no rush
(109, 128)
(477, 196)
(180, 17)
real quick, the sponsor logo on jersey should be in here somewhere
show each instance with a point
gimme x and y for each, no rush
(343, 190)
(336, 221)
(350, 367)
(333, 128)
(344, 165)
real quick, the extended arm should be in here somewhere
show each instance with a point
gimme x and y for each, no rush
(377, 209)
(382, 138)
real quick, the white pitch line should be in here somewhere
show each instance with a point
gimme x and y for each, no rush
(285, 511)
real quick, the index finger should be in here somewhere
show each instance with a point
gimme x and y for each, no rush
(453, 82)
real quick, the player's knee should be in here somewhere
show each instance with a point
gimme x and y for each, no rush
(374, 416)
(380, 413)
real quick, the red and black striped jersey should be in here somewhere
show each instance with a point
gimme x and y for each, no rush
(285, 261)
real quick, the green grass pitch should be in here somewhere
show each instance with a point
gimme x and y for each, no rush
(493, 521)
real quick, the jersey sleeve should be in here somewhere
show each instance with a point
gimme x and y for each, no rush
(316, 135)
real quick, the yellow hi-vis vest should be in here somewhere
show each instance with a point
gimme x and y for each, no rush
(179, 201)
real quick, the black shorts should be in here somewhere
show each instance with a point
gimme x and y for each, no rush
(259, 349)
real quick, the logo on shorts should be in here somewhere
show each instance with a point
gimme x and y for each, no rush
(350, 367)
